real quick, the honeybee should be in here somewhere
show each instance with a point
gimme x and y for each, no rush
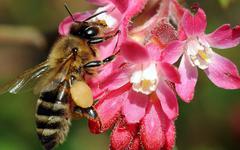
(64, 94)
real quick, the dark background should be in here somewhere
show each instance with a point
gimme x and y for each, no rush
(27, 31)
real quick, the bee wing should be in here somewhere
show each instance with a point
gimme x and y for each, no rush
(16, 85)
(53, 78)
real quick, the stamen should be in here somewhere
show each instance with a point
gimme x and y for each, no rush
(145, 80)
(200, 54)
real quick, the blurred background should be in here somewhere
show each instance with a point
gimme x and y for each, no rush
(29, 28)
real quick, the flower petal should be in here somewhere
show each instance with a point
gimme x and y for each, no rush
(154, 51)
(223, 73)
(111, 17)
(176, 11)
(64, 26)
(168, 100)
(129, 5)
(172, 52)
(129, 9)
(236, 33)
(107, 48)
(108, 110)
(224, 37)
(196, 24)
(134, 106)
(121, 5)
(169, 72)
(170, 133)
(121, 136)
(110, 77)
(115, 79)
(151, 132)
(188, 75)
(134, 52)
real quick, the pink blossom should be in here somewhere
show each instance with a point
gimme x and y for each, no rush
(138, 98)
(135, 92)
(196, 49)
(155, 131)
(142, 97)
(117, 17)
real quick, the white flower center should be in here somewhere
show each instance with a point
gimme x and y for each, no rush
(199, 52)
(145, 80)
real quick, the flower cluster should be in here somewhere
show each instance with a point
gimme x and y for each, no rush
(137, 92)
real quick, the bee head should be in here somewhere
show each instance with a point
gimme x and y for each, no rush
(86, 29)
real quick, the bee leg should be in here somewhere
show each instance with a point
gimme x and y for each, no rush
(98, 63)
(90, 113)
(97, 40)
(91, 64)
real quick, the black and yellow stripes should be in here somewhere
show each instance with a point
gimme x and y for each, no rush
(50, 109)
(53, 117)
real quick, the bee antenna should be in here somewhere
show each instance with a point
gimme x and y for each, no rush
(95, 15)
(68, 10)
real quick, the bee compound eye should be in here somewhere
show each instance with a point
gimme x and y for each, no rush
(91, 31)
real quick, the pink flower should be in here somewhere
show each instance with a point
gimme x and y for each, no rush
(135, 92)
(139, 90)
(149, 133)
(118, 16)
(196, 48)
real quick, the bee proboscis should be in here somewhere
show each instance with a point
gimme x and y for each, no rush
(64, 94)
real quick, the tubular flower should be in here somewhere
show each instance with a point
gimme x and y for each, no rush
(146, 76)
(196, 49)
(143, 98)
(139, 97)
(117, 17)
(150, 133)
(135, 92)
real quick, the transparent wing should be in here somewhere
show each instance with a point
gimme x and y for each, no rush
(53, 78)
(16, 85)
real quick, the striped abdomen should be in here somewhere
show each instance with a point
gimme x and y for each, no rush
(53, 117)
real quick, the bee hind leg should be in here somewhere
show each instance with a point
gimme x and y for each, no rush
(90, 113)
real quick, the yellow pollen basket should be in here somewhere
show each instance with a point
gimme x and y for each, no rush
(81, 94)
